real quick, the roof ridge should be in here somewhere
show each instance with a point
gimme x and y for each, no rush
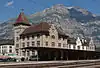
(22, 19)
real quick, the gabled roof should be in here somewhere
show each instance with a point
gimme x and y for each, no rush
(71, 40)
(85, 42)
(22, 20)
(42, 27)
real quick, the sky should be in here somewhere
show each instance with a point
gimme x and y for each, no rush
(11, 8)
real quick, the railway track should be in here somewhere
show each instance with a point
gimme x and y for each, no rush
(52, 64)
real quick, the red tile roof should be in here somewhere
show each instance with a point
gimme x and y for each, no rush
(42, 27)
(22, 19)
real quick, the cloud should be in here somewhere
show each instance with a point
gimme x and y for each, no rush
(10, 3)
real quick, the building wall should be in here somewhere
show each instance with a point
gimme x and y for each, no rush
(51, 41)
(7, 49)
(17, 41)
(89, 47)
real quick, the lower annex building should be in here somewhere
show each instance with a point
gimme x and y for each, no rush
(7, 47)
(47, 42)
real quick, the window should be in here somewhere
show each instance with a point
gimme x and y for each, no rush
(59, 44)
(23, 44)
(17, 39)
(46, 36)
(32, 37)
(23, 38)
(46, 43)
(33, 53)
(4, 46)
(82, 47)
(53, 44)
(23, 53)
(74, 47)
(53, 29)
(17, 51)
(92, 47)
(53, 37)
(38, 43)
(10, 51)
(78, 47)
(17, 45)
(64, 45)
(4, 51)
(38, 36)
(28, 53)
(10, 46)
(69, 46)
(59, 38)
(27, 44)
(33, 43)
(27, 37)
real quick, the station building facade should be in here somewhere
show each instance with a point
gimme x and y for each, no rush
(48, 42)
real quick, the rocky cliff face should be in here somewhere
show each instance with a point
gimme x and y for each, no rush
(75, 21)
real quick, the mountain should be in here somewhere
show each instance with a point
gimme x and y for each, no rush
(6, 29)
(75, 21)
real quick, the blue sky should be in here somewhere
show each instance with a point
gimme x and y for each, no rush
(11, 8)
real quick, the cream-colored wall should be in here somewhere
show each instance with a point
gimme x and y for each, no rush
(7, 48)
(49, 39)
(17, 31)
(43, 39)
(90, 47)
